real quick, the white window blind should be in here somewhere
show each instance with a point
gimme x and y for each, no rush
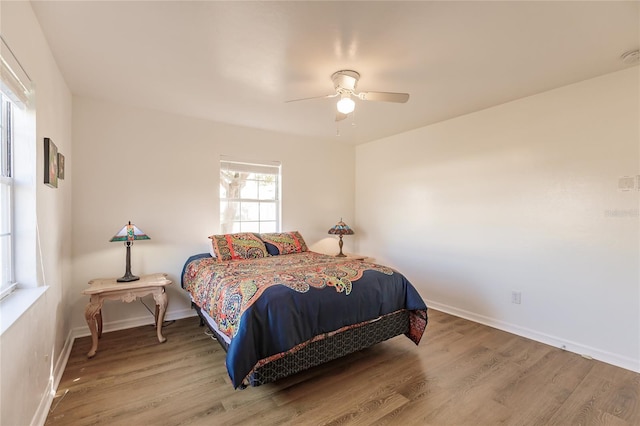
(249, 196)
(15, 83)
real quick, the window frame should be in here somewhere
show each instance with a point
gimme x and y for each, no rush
(7, 275)
(254, 171)
(28, 270)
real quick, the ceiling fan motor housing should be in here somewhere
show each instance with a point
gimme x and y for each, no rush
(345, 81)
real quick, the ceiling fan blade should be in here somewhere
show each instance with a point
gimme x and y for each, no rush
(333, 95)
(340, 116)
(384, 96)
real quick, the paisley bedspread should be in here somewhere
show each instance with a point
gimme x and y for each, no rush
(269, 306)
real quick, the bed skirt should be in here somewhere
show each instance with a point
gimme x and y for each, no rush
(324, 350)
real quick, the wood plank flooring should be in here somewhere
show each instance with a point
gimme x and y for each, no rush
(462, 373)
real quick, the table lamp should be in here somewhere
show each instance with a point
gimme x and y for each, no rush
(129, 233)
(341, 229)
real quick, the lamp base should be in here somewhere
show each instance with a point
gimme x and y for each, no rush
(128, 278)
(340, 245)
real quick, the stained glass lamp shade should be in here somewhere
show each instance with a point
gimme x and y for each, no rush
(341, 229)
(129, 233)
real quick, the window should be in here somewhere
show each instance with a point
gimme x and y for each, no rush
(17, 176)
(249, 197)
(6, 197)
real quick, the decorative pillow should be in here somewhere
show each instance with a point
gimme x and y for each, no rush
(244, 245)
(284, 243)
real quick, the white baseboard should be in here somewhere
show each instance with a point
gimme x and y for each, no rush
(40, 416)
(558, 342)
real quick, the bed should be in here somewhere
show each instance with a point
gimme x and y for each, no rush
(278, 308)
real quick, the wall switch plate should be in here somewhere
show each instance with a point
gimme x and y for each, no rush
(516, 297)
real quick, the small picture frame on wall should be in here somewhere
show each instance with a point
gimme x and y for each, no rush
(60, 166)
(50, 163)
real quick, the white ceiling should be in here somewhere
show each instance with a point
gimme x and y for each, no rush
(237, 62)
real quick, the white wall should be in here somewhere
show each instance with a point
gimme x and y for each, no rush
(31, 350)
(519, 197)
(161, 172)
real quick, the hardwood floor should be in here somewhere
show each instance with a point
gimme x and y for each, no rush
(462, 373)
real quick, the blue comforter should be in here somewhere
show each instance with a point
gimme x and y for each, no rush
(269, 307)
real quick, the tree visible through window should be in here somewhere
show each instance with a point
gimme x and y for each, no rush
(249, 197)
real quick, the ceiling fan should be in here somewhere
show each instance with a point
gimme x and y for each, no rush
(345, 82)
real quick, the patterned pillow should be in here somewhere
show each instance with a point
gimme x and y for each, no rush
(244, 245)
(284, 243)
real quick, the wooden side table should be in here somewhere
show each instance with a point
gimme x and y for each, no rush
(109, 289)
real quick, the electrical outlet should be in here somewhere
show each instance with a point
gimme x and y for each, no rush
(626, 183)
(516, 297)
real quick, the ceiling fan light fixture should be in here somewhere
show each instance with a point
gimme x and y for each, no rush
(346, 105)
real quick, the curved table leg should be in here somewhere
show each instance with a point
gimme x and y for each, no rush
(99, 318)
(90, 313)
(161, 308)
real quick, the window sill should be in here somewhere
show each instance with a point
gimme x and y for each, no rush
(17, 303)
